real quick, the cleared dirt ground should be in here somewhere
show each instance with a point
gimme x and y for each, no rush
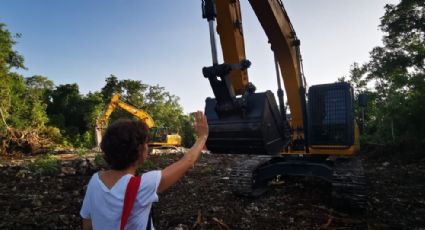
(34, 199)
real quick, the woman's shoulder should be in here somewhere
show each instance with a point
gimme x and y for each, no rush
(94, 178)
(93, 182)
(149, 186)
(152, 173)
(151, 177)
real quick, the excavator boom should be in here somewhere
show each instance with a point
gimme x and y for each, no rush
(285, 45)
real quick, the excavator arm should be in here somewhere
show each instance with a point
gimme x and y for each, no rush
(116, 102)
(102, 120)
(229, 27)
(240, 120)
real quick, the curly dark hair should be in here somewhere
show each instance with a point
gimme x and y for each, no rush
(121, 142)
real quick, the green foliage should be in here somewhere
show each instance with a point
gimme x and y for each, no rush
(99, 160)
(63, 106)
(47, 164)
(86, 140)
(186, 130)
(53, 134)
(10, 82)
(74, 114)
(163, 107)
(82, 152)
(39, 87)
(147, 165)
(396, 70)
(8, 57)
(21, 108)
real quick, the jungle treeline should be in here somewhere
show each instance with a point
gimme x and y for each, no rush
(393, 80)
(34, 111)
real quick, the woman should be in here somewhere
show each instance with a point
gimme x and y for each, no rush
(125, 147)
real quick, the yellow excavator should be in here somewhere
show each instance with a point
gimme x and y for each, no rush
(159, 136)
(319, 137)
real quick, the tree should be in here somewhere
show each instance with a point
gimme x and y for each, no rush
(10, 82)
(39, 87)
(397, 71)
(111, 87)
(186, 130)
(8, 57)
(163, 107)
(74, 114)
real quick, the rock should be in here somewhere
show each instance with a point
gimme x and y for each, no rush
(64, 219)
(22, 173)
(83, 167)
(66, 163)
(181, 227)
(37, 203)
(68, 171)
(92, 163)
(216, 209)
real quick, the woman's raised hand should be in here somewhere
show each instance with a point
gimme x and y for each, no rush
(201, 125)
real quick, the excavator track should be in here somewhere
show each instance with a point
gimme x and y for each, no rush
(242, 177)
(349, 190)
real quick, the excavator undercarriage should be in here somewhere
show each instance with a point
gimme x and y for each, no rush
(251, 177)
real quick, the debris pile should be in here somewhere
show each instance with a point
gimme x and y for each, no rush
(16, 141)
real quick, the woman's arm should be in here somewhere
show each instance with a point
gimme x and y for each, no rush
(87, 224)
(173, 173)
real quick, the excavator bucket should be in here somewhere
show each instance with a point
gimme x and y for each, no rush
(258, 131)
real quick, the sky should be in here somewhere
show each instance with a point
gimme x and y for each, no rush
(167, 42)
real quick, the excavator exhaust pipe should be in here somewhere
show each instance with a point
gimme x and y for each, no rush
(258, 130)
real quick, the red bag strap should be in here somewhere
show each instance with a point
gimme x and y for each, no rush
(129, 198)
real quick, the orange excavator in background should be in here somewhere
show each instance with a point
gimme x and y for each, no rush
(319, 137)
(159, 136)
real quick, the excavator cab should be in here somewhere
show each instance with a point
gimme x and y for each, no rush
(162, 137)
(331, 110)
